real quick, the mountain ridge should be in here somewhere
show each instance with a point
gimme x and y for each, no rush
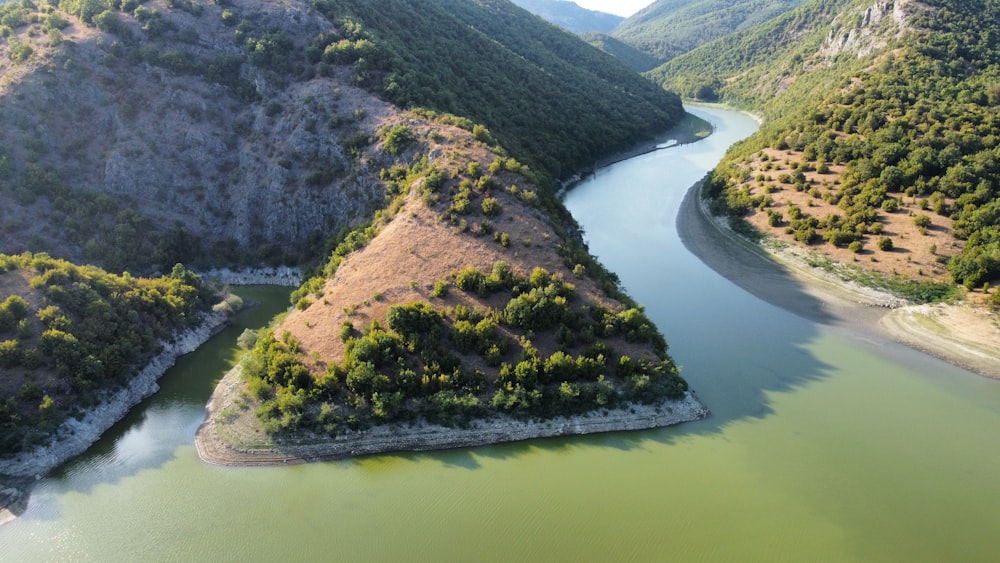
(572, 16)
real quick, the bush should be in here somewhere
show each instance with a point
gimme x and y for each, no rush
(885, 244)
(491, 207)
(10, 353)
(247, 339)
(440, 289)
(397, 138)
(418, 323)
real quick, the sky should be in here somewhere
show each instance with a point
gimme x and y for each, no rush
(623, 8)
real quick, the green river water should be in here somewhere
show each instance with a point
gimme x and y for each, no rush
(823, 445)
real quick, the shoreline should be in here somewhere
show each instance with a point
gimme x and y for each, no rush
(690, 129)
(756, 117)
(73, 437)
(959, 334)
(213, 448)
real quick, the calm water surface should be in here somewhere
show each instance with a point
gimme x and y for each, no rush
(823, 445)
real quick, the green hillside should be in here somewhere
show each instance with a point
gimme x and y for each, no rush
(894, 107)
(570, 16)
(552, 100)
(668, 28)
(637, 60)
(69, 334)
(137, 135)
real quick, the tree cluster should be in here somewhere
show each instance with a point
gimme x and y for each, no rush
(77, 333)
(452, 366)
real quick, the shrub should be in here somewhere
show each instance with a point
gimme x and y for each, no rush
(491, 207)
(10, 353)
(397, 138)
(440, 289)
(247, 339)
(885, 244)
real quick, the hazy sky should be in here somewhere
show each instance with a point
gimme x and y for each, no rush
(621, 7)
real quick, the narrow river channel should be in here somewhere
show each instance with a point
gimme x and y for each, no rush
(823, 445)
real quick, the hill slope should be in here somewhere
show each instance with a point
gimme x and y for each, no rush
(553, 101)
(70, 336)
(231, 135)
(668, 28)
(142, 135)
(637, 60)
(571, 16)
(489, 312)
(881, 140)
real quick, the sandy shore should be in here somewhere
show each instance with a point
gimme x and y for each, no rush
(235, 439)
(956, 333)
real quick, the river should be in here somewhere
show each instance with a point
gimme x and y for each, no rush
(823, 444)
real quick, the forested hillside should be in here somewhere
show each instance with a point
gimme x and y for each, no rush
(571, 16)
(638, 60)
(668, 28)
(882, 142)
(141, 134)
(546, 96)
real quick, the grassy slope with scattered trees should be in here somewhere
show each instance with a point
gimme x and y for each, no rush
(913, 123)
(525, 345)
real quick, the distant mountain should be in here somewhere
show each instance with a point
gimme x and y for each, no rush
(638, 60)
(668, 28)
(571, 16)
(881, 147)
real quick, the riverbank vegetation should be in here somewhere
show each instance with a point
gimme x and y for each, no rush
(69, 334)
(881, 147)
(452, 365)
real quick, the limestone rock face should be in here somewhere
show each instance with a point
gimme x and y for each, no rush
(868, 31)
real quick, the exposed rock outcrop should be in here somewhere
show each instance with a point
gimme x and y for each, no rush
(872, 30)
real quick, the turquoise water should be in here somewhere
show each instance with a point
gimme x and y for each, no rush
(823, 445)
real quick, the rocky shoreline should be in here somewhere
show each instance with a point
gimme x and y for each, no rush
(213, 448)
(74, 436)
(280, 275)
